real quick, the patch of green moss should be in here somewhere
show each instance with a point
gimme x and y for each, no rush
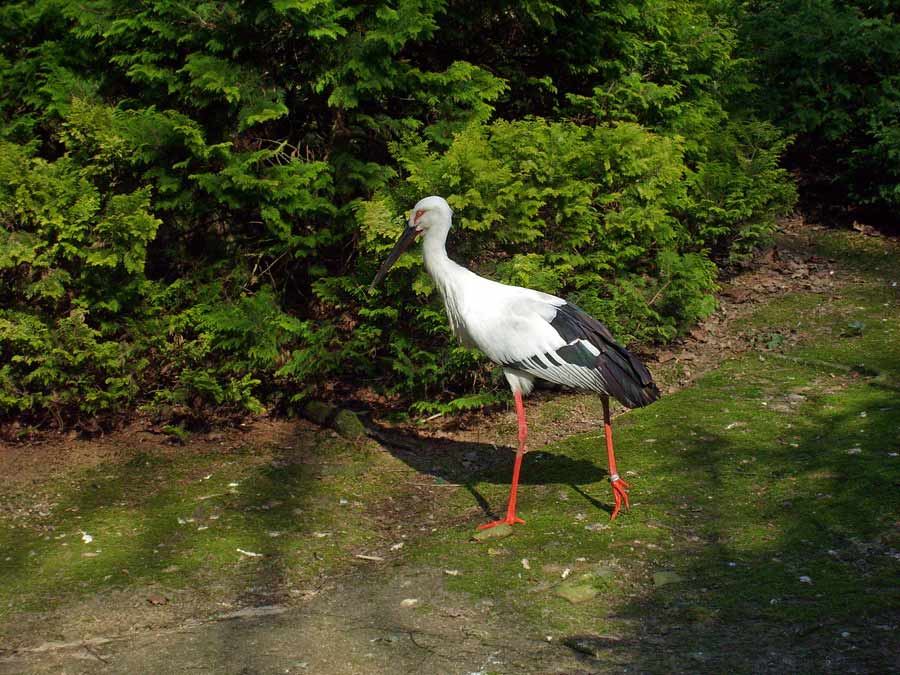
(194, 520)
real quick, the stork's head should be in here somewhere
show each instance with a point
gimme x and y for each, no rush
(429, 214)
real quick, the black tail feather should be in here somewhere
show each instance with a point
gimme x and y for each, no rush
(626, 378)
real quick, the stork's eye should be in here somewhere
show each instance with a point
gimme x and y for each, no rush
(419, 214)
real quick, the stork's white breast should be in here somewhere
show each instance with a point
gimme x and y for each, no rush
(507, 323)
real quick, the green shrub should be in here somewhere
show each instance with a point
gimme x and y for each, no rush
(598, 214)
(193, 196)
(71, 259)
(829, 73)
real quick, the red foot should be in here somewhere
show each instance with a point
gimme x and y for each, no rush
(507, 520)
(620, 492)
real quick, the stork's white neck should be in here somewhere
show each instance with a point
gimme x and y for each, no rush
(434, 253)
(450, 279)
(434, 250)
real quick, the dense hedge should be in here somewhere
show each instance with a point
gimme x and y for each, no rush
(193, 196)
(829, 72)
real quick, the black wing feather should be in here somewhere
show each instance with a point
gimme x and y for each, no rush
(626, 378)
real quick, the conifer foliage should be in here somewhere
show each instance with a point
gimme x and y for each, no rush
(194, 195)
(829, 72)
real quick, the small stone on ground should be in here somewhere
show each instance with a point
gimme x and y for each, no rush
(496, 532)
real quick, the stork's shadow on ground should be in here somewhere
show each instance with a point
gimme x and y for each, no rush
(468, 464)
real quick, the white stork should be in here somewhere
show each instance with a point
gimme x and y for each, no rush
(530, 334)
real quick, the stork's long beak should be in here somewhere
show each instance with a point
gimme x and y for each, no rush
(407, 238)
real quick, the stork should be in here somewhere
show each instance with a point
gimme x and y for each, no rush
(530, 335)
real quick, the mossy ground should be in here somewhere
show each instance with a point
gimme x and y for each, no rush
(769, 487)
(253, 522)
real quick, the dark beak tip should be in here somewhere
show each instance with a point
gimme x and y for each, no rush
(402, 244)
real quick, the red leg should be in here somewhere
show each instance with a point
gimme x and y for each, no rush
(523, 434)
(619, 486)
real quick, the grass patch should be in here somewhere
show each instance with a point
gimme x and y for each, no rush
(181, 520)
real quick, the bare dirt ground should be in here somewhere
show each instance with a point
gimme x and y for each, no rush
(359, 625)
(386, 617)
